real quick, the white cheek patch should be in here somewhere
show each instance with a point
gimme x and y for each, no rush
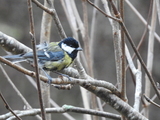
(67, 48)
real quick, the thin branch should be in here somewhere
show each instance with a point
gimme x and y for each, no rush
(32, 33)
(63, 109)
(148, 104)
(102, 11)
(8, 107)
(91, 112)
(55, 18)
(107, 10)
(150, 101)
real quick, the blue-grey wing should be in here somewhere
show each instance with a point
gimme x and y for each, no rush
(46, 55)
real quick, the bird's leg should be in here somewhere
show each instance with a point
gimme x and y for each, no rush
(48, 76)
(62, 75)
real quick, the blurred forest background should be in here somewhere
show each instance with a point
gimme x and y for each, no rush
(14, 21)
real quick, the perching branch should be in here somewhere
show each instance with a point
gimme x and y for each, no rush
(87, 81)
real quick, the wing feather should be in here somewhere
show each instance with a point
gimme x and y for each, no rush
(46, 55)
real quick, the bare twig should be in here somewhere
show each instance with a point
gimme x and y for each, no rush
(32, 33)
(148, 104)
(55, 18)
(150, 101)
(90, 111)
(102, 11)
(63, 109)
(8, 107)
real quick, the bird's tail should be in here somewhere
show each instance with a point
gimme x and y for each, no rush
(15, 58)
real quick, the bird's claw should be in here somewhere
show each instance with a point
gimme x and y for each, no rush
(66, 77)
(49, 81)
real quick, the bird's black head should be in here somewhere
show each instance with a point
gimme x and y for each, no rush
(71, 46)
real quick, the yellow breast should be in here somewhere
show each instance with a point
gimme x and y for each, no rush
(58, 65)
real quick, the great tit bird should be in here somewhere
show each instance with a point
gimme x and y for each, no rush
(54, 56)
